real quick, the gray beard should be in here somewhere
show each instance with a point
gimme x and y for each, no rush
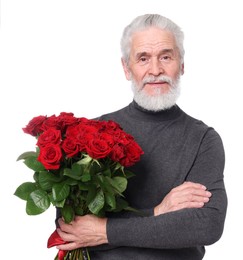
(158, 101)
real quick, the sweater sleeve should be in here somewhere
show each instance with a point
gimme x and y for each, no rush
(187, 227)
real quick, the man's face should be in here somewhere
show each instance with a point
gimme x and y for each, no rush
(154, 64)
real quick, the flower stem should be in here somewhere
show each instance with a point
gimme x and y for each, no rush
(85, 254)
(77, 254)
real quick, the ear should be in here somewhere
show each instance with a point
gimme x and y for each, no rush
(126, 69)
(182, 68)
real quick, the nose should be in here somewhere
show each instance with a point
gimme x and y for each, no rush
(155, 67)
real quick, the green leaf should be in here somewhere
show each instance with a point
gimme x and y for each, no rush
(60, 191)
(47, 179)
(119, 166)
(37, 203)
(59, 204)
(85, 161)
(74, 173)
(140, 213)
(80, 171)
(86, 176)
(24, 190)
(107, 172)
(71, 182)
(97, 203)
(77, 169)
(33, 164)
(79, 209)
(129, 174)
(68, 172)
(118, 183)
(94, 168)
(120, 204)
(25, 155)
(91, 193)
(83, 186)
(99, 180)
(67, 213)
(110, 200)
(36, 177)
(106, 184)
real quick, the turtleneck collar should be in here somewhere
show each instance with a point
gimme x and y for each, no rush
(141, 113)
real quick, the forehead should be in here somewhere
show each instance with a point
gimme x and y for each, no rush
(152, 39)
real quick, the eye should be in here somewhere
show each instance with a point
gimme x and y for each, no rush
(143, 59)
(165, 58)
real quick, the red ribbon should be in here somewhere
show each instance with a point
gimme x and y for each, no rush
(55, 240)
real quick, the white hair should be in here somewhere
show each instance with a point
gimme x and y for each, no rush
(150, 20)
(158, 101)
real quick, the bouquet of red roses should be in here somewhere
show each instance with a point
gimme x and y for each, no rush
(79, 166)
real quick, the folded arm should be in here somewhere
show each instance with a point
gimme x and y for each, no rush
(191, 214)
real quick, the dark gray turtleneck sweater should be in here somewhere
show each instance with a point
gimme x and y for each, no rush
(177, 148)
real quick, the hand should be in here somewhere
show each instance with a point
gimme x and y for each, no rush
(84, 231)
(186, 195)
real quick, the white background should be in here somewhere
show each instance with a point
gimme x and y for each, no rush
(65, 56)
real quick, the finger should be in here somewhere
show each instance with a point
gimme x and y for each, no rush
(187, 188)
(187, 205)
(188, 184)
(189, 194)
(68, 228)
(194, 195)
(69, 246)
(197, 192)
(66, 236)
(196, 198)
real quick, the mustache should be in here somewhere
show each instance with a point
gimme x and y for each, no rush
(154, 79)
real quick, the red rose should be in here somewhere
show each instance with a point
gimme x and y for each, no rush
(50, 136)
(112, 127)
(108, 138)
(65, 120)
(132, 154)
(71, 147)
(81, 130)
(79, 135)
(117, 153)
(51, 122)
(34, 126)
(124, 138)
(98, 148)
(86, 129)
(66, 114)
(50, 156)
